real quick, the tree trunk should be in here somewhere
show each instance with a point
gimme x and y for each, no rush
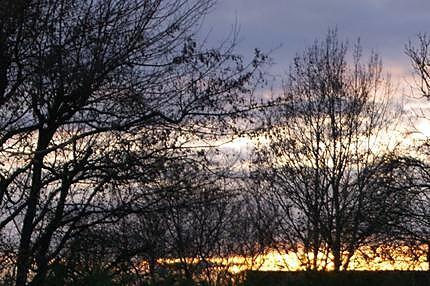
(24, 253)
(337, 231)
(336, 256)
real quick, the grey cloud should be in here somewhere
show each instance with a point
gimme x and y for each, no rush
(385, 25)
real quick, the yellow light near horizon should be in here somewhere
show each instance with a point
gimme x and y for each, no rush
(364, 260)
(275, 261)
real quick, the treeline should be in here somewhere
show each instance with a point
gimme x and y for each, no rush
(110, 116)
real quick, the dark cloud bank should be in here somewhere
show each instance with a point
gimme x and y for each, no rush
(289, 25)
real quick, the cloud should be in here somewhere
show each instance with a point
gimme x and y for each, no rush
(383, 25)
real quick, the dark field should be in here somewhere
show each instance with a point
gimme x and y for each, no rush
(350, 278)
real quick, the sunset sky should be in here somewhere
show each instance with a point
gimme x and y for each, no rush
(287, 26)
(284, 28)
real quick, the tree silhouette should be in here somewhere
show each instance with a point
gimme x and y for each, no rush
(416, 228)
(319, 161)
(93, 95)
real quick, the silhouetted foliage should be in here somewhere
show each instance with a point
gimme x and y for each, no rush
(94, 97)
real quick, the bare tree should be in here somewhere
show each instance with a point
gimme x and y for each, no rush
(417, 224)
(320, 157)
(92, 95)
(419, 56)
(251, 228)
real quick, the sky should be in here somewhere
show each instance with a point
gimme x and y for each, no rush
(286, 27)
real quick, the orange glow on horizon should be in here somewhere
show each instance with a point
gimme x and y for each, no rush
(364, 260)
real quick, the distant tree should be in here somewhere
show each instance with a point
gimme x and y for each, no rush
(251, 227)
(180, 225)
(319, 160)
(93, 96)
(194, 209)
